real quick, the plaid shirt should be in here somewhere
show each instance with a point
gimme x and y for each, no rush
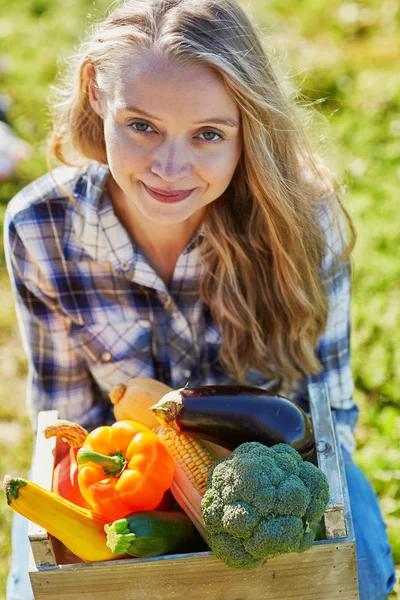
(93, 313)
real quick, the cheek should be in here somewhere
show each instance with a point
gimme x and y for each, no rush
(218, 168)
(121, 150)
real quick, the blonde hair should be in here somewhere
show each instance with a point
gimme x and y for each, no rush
(264, 245)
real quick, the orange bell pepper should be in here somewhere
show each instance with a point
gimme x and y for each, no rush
(124, 468)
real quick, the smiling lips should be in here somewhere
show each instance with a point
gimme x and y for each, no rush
(168, 197)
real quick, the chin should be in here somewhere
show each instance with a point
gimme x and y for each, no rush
(161, 218)
(167, 215)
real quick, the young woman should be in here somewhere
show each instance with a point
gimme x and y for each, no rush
(191, 235)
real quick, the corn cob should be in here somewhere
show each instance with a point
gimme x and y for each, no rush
(189, 499)
(192, 455)
(193, 460)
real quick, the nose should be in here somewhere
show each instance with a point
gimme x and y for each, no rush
(171, 161)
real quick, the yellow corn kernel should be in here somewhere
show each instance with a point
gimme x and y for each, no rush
(191, 454)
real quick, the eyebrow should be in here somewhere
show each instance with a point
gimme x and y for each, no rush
(227, 121)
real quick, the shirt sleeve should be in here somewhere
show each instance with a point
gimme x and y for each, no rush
(333, 349)
(57, 375)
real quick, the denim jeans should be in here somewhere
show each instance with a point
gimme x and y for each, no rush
(376, 574)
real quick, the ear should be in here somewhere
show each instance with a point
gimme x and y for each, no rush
(92, 90)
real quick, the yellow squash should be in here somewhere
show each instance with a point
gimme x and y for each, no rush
(80, 530)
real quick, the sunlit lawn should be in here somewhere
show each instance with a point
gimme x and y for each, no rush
(341, 59)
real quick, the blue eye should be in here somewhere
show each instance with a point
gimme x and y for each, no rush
(212, 133)
(145, 128)
(140, 123)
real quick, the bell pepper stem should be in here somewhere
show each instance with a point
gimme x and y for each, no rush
(113, 465)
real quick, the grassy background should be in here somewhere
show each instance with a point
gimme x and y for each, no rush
(342, 58)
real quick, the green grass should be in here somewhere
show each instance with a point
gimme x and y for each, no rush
(339, 58)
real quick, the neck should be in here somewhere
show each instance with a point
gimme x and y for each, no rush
(160, 239)
(162, 244)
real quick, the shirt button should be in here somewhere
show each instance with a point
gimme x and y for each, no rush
(186, 372)
(106, 357)
(125, 266)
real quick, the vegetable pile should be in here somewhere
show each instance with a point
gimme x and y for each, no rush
(163, 479)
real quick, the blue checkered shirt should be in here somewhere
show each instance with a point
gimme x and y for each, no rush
(93, 313)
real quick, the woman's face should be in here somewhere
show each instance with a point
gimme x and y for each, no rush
(168, 127)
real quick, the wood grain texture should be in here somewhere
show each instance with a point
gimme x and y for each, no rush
(326, 572)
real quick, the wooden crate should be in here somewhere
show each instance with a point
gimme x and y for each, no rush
(327, 571)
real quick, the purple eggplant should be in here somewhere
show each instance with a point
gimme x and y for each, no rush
(229, 415)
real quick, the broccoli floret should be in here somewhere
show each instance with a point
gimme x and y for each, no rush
(274, 536)
(233, 553)
(307, 541)
(252, 449)
(289, 461)
(265, 500)
(262, 502)
(217, 473)
(315, 481)
(212, 507)
(292, 497)
(239, 520)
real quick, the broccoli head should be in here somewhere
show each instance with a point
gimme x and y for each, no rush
(261, 502)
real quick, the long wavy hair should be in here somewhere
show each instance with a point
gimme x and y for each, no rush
(263, 246)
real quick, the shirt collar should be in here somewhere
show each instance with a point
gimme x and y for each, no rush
(94, 222)
(100, 233)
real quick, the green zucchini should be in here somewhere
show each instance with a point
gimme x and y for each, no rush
(152, 533)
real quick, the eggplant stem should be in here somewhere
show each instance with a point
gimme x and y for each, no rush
(167, 409)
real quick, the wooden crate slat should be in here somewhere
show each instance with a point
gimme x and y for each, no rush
(327, 455)
(345, 490)
(322, 573)
(42, 474)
